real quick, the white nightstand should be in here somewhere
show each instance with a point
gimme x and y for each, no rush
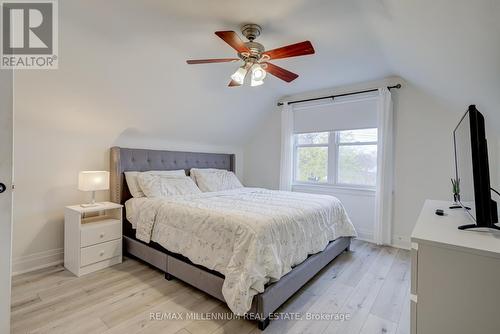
(92, 237)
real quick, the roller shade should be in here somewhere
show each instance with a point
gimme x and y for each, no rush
(347, 114)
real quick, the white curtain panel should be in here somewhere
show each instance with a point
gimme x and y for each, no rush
(286, 166)
(385, 169)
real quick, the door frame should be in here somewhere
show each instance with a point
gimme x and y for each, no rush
(6, 198)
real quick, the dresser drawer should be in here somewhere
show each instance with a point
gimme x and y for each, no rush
(100, 252)
(95, 233)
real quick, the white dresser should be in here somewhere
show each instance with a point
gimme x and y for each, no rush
(92, 237)
(455, 280)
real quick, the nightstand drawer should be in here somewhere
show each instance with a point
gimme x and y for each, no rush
(100, 252)
(102, 231)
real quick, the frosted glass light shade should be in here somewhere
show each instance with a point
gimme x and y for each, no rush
(258, 75)
(254, 83)
(93, 180)
(239, 75)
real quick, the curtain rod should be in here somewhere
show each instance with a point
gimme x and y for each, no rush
(398, 86)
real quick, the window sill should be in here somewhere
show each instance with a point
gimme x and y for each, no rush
(325, 188)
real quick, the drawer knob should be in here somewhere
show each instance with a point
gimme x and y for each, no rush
(101, 253)
(101, 235)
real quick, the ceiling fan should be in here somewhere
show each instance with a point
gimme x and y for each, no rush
(255, 58)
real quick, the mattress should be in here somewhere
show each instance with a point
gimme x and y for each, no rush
(252, 236)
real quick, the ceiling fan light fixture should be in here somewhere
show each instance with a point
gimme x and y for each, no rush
(240, 74)
(254, 83)
(256, 57)
(258, 75)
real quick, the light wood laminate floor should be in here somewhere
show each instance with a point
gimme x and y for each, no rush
(370, 284)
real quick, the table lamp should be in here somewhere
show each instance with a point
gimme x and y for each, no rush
(93, 181)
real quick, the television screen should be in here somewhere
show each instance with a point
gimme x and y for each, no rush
(471, 162)
(463, 160)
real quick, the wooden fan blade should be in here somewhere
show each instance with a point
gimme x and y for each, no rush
(280, 72)
(232, 38)
(233, 83)
(209, 61)
(293, 50)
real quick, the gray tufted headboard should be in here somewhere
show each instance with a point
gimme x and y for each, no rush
(141, 160)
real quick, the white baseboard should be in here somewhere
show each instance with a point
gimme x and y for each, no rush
(24, 264)
(364, 235)
(399, 241)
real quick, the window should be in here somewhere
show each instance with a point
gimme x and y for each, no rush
(345, 158)
(312, 157)
(357, 157)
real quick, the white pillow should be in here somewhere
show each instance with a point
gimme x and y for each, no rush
(193, 171)
(166, 185)
(133, 185)
(215, 179)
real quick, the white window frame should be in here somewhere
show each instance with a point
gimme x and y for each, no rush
(295, 161)
(332, 169)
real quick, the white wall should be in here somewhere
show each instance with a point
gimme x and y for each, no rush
(497, 166)
(494, 155)
(48, 157)
(116, 85)
(423, 156)
(424, 159)
(263, 169)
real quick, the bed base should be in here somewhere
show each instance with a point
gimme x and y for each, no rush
(265, 303)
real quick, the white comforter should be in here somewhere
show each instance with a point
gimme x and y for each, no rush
(252, 236)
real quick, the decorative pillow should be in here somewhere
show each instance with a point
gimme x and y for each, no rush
(166, 185)
(133, 185)
(215, 179)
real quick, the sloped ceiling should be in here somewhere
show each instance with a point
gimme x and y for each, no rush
(124, 60)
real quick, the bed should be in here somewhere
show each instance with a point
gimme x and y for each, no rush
(268, 281)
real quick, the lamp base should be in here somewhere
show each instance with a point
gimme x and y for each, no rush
(92, 203)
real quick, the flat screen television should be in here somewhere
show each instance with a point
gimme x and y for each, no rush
(471, 167)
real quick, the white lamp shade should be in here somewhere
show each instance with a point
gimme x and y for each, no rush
(93, 180)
